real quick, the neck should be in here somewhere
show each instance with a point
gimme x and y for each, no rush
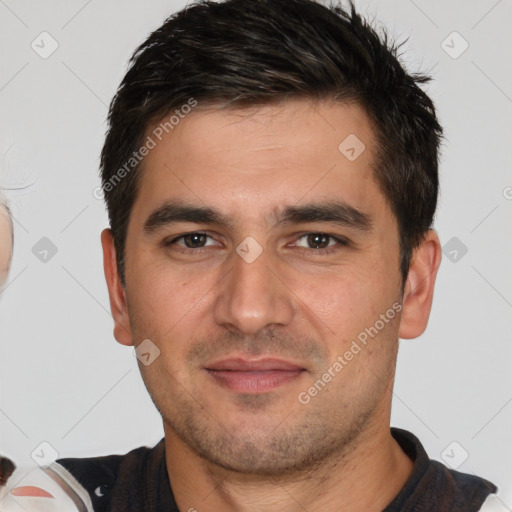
(366, 477)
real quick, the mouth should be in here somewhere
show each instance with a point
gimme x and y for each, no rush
(253, 376)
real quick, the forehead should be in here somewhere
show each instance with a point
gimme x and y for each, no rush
(246, 161)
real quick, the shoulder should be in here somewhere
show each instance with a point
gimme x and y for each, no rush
(103, 476)
(434, 486)
(465, 489)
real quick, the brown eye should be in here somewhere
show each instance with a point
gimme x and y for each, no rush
(320, 243)
(318, 240)
(195, 240)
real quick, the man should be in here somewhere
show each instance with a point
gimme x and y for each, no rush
(6, 242)
(270, 174)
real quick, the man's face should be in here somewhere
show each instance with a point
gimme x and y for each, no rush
(299, 258)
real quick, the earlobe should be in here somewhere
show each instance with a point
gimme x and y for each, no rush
(419, 287)
(116, 291)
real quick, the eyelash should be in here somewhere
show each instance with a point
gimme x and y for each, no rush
(341, 241)
(168, 243)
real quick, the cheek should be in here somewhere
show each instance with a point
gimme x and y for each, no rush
(346, 302)
(340, 295)
(165, 302)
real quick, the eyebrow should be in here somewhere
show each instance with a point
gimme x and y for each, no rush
(177, 212)
(335, 212)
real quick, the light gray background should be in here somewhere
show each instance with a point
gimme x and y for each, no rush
(65, 380)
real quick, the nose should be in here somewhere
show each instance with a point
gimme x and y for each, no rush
(253, 296)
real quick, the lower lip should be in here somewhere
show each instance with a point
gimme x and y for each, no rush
(254, 382)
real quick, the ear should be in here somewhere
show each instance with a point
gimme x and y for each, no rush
(116, 291)
(419, 287)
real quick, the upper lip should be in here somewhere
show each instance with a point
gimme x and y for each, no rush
(254, 365)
